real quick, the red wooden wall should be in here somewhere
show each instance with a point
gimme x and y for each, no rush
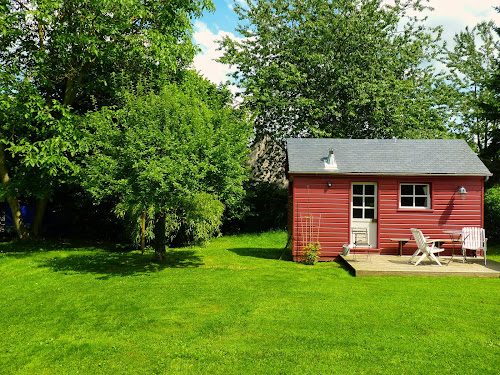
(321, 212)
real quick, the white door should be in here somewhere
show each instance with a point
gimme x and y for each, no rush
(364, 209)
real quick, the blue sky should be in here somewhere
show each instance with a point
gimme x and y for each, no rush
(224, 17)
(453, 15)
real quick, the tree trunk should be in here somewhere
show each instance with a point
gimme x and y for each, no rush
(17, 217)
(143, 232)
(160, 238)
(41, 206)
(15, 206)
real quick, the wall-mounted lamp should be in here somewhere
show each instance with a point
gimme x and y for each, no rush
(329, 183)
(462, 192)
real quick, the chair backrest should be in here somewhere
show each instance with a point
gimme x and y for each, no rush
(360, 236)
(473, 238)
(419, 238)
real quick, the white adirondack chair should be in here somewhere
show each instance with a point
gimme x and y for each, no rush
(473, 238)
(427, 248)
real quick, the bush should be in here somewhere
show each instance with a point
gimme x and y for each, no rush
(311, 253)
(492, 212)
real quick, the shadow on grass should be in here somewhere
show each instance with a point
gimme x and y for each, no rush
(121, 264)
(345, 266)
(30, 246)
(25, 248)
(264, 253)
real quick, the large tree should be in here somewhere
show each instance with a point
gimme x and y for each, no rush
(179, 154)
(76, 50)
(77, 54)
(340, 68)
(37, 146)
(471, 63)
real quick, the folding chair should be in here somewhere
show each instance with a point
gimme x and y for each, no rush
(427, 248)
(360, 242)
(473, 239)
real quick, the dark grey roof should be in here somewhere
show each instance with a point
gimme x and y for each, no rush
(385, 156)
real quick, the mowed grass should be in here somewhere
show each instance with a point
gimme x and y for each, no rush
(232, 307)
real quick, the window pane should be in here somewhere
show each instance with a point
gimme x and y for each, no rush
(369, 213)
(369, 189)
(357, 213)
(406, 189)
(357, 201)
(420, 189)
(406, 202)
(369, 202)
(357, 189)
(420, 202)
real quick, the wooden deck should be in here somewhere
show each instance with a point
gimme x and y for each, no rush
(393, 265)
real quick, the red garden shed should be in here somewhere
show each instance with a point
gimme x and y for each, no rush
(385, 186)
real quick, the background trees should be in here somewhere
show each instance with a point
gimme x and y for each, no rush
(337, 68)
(340, 68)
(61, 57)
(471, 63)
(313, 68)
(490, 112)
(37, 146)
(73, 50)
(178, 154)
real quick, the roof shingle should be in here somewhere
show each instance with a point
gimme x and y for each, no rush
(385, 156)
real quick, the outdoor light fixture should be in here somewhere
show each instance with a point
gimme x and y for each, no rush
(461, 192)
(329, 183)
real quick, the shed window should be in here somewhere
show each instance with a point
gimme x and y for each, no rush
(414, 196)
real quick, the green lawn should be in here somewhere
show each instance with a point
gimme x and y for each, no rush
(232, 307)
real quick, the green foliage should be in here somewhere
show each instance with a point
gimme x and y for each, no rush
(489, 113)
(181, 151)
(70, 57)
(267, 202)
(203, 216)
(471, 64)
(311, 253)
(75, 49)
(339, 68)
(492, 212)
(40, 139)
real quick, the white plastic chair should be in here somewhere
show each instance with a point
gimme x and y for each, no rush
(474, 239)
(427, 248)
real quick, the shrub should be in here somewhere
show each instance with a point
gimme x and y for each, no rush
(492, 212)
(311, 253)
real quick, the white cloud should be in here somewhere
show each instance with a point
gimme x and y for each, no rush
(205, 62)
(455, 15)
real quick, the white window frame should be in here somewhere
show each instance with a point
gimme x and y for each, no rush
(413, 196)
(363, 206)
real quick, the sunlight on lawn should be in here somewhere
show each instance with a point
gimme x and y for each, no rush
(233, 307)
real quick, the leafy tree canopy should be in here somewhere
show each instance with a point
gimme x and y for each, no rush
(472, 66)
(179, 153)
(76, 49)
(59, 58)
(38, 141)
(490, 112)
(339, 68)
(471, 63)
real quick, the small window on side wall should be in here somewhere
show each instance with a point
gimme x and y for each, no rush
(414, 196)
